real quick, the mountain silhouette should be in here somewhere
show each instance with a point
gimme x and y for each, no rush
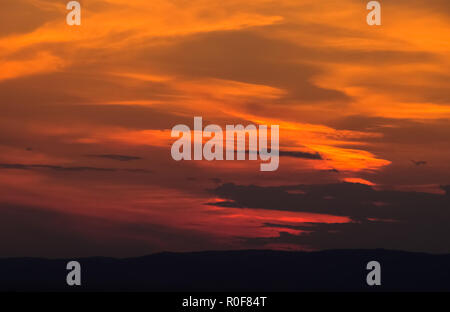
(243, 270)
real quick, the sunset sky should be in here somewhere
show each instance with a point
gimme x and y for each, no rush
(87, 112)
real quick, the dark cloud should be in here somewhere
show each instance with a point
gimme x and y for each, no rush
(245, 57)
(67, 169)
(303, 198)
(21, 16)
(138, 170)
(396, 130)
(303, 155)
(419, 162)
(52, 167)
(133, 117)
(437, 93)
(251, 57)
(362, 122)
(116, 157)
(39, 232)
(68, 101)
(426, 235)
(388, 219)
(358, 201)
(294, 154)
(285, 226)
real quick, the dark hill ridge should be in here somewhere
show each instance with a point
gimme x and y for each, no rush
(245, 270)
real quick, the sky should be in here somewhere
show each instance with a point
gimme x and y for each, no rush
(87, 112)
